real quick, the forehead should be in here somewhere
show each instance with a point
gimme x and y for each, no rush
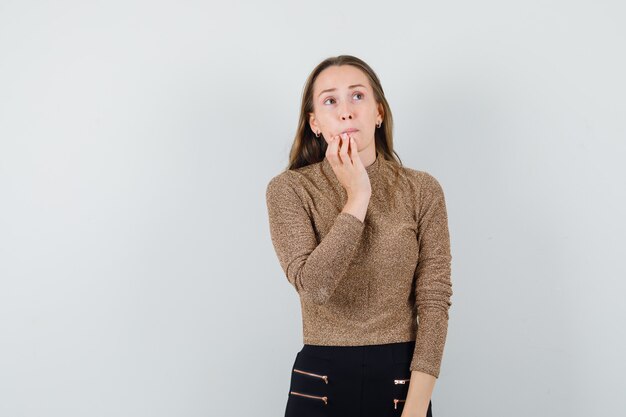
(339, 77)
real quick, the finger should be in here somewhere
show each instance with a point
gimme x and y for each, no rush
(354, 152)
(331, 151)
(343, 151)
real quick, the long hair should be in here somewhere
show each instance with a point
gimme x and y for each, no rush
(309, 149)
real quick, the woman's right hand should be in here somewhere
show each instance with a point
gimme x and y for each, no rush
(343, 155)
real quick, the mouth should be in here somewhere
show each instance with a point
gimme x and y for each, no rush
(350, 131)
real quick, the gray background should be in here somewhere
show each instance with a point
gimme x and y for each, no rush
(137, 276)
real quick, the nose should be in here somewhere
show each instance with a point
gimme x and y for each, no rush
(346, 112)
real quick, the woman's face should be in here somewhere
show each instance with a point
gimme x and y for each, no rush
(342, 100)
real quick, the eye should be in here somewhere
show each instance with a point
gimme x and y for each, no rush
(356, 93)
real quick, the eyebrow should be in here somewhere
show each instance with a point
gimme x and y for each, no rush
(333, 89)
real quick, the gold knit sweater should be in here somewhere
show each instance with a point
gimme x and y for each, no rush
(384, 280)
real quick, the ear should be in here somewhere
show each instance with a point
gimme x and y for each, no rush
(313, 123)
(381, 112)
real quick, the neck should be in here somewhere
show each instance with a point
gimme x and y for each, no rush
(368, 156)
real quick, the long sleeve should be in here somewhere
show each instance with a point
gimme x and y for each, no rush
(433, 287)
(314, 269)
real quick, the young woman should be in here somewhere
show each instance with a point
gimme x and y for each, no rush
(365, 243)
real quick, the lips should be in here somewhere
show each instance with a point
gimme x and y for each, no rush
(350, 131)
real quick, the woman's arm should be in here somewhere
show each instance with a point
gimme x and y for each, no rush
(420, 391)
(313, 269)
(433, 291)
